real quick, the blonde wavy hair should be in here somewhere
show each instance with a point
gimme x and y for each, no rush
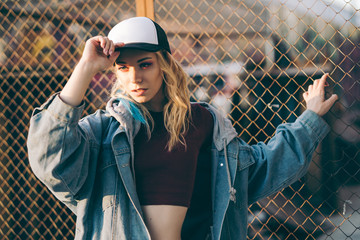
(177, 110)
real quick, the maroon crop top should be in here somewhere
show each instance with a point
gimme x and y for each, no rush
(167, 178)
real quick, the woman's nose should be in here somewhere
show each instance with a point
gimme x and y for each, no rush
(135, 75)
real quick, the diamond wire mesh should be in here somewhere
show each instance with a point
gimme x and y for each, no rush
(40, 43)
(251, 59)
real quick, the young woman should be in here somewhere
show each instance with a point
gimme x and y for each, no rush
(154, 165)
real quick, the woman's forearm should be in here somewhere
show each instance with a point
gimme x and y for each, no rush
(99, 54)
(75, 89)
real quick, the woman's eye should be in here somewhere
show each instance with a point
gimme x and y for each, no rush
(145, 65)
(122, 68)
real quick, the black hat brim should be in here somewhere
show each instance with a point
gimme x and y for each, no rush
(142, 46)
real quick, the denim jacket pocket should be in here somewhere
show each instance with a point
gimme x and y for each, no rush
(245, 158)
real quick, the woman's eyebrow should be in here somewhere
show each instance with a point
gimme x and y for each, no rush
(138, 61)
(143, 59)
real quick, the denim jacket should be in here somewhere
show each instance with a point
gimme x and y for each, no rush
(87, 163)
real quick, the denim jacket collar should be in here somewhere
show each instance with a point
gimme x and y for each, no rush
(129, 125)
(223, 129)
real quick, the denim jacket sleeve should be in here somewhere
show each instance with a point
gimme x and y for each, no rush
(60, 148)
(286, 157)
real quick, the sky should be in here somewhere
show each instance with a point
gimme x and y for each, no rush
(351, 10)
(336, 11)
(347, 3)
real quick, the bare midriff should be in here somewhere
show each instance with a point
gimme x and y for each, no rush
(164, 221)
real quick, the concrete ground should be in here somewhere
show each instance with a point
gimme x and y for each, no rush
(342, 224)
(347, 222)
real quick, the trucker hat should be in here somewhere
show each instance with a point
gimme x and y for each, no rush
(140, 33)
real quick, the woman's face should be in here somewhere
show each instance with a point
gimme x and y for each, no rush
(140, 74)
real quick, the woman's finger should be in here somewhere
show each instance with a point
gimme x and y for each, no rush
(113, 52)
(107, 46)
(322, 80)
(310, 88)
(113, 56)
(316, 83)
(101, 40)
(103, 43)
(109, 49)
(114, 47)
(305, 95)
(330, 101)
(119, 45)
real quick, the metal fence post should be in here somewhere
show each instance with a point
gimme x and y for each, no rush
(145, 8)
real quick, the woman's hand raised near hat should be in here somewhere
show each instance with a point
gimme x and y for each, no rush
(100, 53)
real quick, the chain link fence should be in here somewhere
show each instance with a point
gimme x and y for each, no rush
(252, 59)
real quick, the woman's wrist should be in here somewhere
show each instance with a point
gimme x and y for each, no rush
(87, 68)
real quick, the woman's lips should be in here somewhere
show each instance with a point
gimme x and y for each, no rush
(139, 91)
